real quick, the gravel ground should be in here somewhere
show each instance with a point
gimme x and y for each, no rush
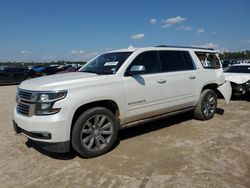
(173, 152)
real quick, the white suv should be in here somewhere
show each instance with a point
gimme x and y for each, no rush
(118, 89)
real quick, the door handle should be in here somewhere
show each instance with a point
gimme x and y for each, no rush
(161, 81)
(192, 77)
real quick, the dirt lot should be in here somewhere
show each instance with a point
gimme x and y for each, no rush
(174, 152)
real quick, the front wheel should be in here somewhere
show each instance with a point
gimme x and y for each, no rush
(94, 132)
(207, 105)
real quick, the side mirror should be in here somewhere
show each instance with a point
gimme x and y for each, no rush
(136, 70)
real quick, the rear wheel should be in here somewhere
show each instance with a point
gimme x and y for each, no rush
(94, 132)
(207, 105)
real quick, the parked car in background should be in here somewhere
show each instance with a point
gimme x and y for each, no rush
(38, 71)
(35, 72)
(71, 69)
(12, 75)
(239, 76)
(52, 69)
(226, 63)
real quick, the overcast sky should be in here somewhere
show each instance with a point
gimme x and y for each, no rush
(46, 30)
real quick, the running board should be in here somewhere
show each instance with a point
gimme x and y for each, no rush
(149, 119)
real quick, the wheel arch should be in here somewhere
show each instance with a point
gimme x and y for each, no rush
(109, 104)
(212, 86)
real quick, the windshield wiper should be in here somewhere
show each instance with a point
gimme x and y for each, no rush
(99, 72)
(105, 72)
(90, 71)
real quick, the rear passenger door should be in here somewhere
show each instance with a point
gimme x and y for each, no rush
(181, 78)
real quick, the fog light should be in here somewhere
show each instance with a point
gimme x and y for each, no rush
(45, 106)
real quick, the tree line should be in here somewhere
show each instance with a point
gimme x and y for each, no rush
(27, 64)
(235, 55)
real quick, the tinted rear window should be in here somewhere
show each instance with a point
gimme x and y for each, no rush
(176, 61)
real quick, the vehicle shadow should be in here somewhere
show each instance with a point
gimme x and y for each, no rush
(241, 98)
(126, 133)
(159, 124)
(154, 126)
(10, 84)
(60, 156)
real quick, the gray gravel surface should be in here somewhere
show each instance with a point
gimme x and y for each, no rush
(174, 152)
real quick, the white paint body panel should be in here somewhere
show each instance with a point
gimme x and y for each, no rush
(226, 91)
(238, 78)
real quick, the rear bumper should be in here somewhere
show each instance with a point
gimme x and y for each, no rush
(57, 147)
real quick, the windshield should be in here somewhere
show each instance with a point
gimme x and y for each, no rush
(238, 69)
(108, 63)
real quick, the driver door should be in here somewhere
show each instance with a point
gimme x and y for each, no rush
(145, 93)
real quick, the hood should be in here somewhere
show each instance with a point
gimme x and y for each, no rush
(60, 81)
(238, 78)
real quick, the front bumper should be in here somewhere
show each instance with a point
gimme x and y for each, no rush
(57, 147)
(50, 129)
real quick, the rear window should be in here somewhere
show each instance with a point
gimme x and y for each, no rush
(208, 60)
(176, 61)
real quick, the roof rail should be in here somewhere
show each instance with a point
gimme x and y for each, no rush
(184, 47)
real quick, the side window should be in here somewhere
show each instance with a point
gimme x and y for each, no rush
(149, 60)
(208, 60)
(176, 61)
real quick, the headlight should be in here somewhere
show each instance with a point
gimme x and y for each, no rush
(46, 100)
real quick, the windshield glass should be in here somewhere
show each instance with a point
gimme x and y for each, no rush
(108, 63)
(238, 69)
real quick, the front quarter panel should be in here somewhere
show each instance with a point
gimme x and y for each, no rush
(108, 89)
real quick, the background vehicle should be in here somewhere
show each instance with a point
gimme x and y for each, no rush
(11, 75)
(38, 71)
(52, 69)
(35, 71)
(118, 89)
(71, 69)
(239, 76)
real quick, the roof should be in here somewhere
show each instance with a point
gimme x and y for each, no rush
(192, 47)
(132, 49)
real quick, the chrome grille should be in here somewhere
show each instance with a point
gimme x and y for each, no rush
(25, 94)
(26, 101)
(23, 109)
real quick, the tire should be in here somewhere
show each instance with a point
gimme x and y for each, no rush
(207, 105)
(94, 132)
